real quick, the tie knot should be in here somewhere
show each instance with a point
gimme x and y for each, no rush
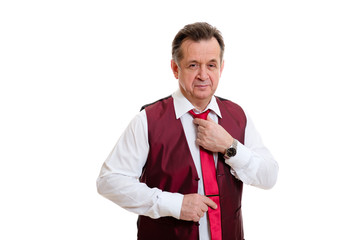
(201, 115)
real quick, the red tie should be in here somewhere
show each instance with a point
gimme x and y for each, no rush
(210, 184)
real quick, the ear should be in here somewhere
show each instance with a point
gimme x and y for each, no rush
(175, 69)
(222, 67)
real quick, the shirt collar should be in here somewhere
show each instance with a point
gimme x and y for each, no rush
(182, 105)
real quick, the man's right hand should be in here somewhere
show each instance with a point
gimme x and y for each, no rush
(194, 207)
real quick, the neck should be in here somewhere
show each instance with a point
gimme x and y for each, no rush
(201, 106)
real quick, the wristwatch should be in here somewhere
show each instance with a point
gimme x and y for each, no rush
(231, 151)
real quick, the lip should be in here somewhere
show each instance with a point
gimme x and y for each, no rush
(202, 85)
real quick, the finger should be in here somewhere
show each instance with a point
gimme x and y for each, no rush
(198, 142)
(204, 207)
(201, 129)
(210, 202)
(200, 135)
(196, 121)
(201, 213)
(199, 121)
(201, 141)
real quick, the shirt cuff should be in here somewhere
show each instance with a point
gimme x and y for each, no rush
(170, 204)
(241, 159)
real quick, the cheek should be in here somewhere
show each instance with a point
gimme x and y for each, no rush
(184, 83)
(215, 80)
(186, 80)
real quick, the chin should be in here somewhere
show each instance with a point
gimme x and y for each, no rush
(204, 95)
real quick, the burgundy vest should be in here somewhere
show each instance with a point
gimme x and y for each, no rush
(170, 168)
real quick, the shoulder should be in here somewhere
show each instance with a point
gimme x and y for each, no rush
(157, 102)
(162, 108)
(223, 102)
(232, 110)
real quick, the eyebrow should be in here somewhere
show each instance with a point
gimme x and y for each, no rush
(211, 61)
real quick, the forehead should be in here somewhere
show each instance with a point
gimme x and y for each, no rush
(201, 50)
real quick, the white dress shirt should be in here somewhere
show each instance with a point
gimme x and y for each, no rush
(119, 177)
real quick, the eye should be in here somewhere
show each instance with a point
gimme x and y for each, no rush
(193, 65)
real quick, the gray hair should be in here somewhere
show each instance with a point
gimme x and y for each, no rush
(196, 32)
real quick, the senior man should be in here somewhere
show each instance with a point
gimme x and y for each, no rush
(182, 161)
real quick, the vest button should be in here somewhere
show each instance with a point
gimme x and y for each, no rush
(197, 179)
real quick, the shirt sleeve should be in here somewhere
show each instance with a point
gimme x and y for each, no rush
(253, 164)
(119, 176)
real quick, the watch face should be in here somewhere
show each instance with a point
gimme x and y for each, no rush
(231, 152)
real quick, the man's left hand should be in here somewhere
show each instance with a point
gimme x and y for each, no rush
(212, 136)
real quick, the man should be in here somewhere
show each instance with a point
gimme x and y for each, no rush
(182, 161)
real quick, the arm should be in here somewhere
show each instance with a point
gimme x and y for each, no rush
(253, 164)
(119, 177)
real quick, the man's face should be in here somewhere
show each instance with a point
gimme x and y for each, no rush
(199, 70)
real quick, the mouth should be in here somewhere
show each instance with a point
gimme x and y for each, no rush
(202, 85)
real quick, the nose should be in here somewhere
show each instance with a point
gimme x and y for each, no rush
(202, 74)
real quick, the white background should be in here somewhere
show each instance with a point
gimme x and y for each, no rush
(74, 73)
